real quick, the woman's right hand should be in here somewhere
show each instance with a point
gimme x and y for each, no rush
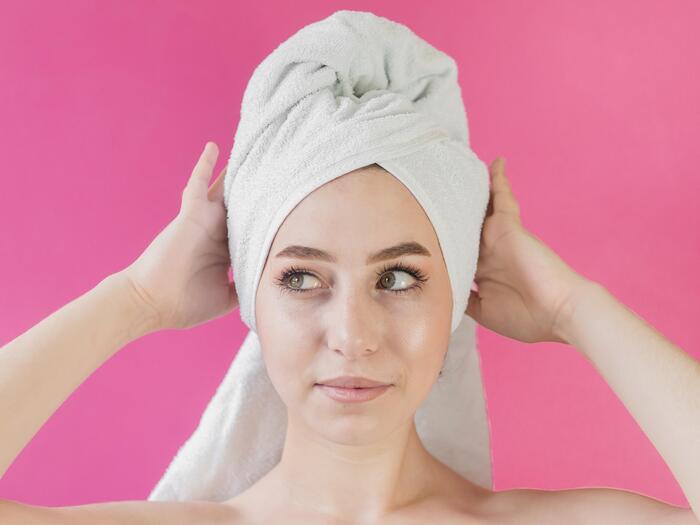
(182, 276)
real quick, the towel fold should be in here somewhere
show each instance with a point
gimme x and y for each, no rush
(345, 92)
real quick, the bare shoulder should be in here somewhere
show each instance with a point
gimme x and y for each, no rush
(120, 513)
(589, 506)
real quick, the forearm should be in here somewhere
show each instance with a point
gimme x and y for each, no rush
(656, 380)
(41, 368)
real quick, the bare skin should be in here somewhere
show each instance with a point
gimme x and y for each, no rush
(347, 321)
(525, 292)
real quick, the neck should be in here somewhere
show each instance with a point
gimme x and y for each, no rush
(323, 476)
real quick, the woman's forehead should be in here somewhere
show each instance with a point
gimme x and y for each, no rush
(369, 200)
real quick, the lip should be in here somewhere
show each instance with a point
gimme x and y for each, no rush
(352, 395)
(352, 382)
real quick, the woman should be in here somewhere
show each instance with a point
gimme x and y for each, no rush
(381, 319)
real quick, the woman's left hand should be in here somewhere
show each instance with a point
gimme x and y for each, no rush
(525, 290)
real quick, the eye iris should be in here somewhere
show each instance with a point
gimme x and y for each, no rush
(294, 280)
(391, 279)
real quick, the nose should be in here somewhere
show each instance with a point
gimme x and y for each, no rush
(353, 324)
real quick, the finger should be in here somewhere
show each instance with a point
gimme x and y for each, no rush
(233, 296)
(474, 306)
(503, 198)
(201, 174)
(216, 190)
(475, 286)
(489, 206)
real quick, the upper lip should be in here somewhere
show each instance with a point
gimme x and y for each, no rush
(352, 382)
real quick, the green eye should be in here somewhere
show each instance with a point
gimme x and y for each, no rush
(291, 278)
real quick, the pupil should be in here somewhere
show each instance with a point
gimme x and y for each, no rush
(390, 279)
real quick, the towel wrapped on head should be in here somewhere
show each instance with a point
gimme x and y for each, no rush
(348, 91)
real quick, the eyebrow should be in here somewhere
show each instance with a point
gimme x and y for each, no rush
(405, 248)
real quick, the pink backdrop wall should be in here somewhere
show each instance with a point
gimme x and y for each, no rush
(105, 108)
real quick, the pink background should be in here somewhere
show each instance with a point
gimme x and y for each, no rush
(105, 109)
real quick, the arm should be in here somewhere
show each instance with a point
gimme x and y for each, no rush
(179, 281)
(44, 365)
(528, 293)
(656, 380)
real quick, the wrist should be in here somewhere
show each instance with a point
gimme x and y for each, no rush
(141, 318)
(569, 316)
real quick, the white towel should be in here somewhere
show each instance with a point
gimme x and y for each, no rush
(345, 92)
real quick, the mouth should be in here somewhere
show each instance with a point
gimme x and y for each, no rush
(352, 382)
(352, 394)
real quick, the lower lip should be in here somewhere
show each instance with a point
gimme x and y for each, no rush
(353, 395)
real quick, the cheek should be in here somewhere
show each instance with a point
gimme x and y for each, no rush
(423, 373)
(288, 353)
(289, 373)
(423, 343)
(421, 334)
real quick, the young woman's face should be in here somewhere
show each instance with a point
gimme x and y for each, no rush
(318, 319)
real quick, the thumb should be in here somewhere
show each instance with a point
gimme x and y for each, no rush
(216, 190)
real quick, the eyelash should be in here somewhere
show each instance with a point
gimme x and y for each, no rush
(399, 267)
